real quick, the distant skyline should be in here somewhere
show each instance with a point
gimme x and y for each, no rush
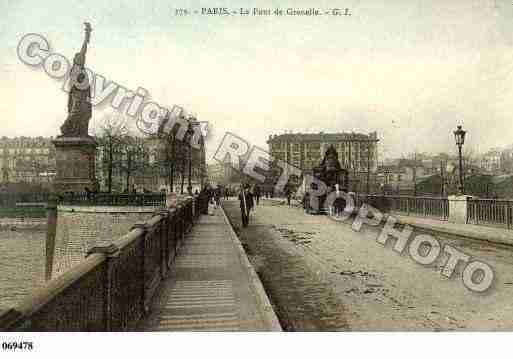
(410, 70)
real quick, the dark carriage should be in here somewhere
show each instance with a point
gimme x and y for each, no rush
(331, 173)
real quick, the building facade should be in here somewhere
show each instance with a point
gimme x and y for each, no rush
(145, 164)
(139, 163)
(222, 173)
(357, 152)
(492, 161)
(27, 160)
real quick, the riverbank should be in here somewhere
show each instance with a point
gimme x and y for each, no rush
(22, 264)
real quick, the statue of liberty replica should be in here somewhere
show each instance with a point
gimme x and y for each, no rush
(79, 100)
(75, 149)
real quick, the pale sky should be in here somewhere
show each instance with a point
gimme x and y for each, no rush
(410, 70)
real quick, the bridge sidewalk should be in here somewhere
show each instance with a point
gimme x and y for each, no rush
(212, 286)
(479, 232)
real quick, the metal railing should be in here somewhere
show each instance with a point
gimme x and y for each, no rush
(433, 207)
(113, 199)
(111, 290)
(490, 212)
(26, 200)
(23, 212)
(12, 199)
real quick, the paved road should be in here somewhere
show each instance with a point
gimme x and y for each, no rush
(321, 275)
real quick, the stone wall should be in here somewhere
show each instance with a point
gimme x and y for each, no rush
(79, 228)
(22, 223)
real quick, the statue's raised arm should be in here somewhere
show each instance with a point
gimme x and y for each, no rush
(81, 56)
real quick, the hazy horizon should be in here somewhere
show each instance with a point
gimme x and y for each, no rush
(411, 70)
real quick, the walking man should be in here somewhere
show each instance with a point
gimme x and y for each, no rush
(288, 193)
(217, 196)
(246, 203)
(257, 194)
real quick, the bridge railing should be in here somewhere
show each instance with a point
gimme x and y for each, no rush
(113, 199)
(433, 207)
(111, 290)
(13, 199)
(490, 212)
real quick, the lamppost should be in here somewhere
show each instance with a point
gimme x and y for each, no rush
(190, 133)
(172, 160)
(459, 136)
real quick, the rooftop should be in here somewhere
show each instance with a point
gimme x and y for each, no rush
(321, 136)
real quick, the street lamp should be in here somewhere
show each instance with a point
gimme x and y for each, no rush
(171, 161)
(459, 136)
(190, 133)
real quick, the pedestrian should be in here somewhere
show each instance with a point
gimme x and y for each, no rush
(210, 193)
(217, 196)
(288, 193)
(246, 204)
(211, 207)
(88, 193)
(256, 192)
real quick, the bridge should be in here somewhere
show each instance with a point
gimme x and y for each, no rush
(183, 270)
(179, 270)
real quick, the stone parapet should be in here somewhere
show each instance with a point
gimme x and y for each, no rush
(458, 207)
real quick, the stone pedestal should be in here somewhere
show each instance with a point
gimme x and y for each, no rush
(458, 208)
(75, 157)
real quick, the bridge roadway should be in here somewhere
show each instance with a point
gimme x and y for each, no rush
(213, 287)
(322, 275)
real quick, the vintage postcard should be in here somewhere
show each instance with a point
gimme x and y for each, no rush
(255, 166)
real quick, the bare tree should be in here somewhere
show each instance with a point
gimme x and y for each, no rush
(415, 174)
(174, 153)
(110, 137)
(133, 158)
(5, 174)
(470, 160)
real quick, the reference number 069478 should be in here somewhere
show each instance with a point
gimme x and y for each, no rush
(17, 346)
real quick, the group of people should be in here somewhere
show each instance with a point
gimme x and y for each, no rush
(248, 197)
(214, 196)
